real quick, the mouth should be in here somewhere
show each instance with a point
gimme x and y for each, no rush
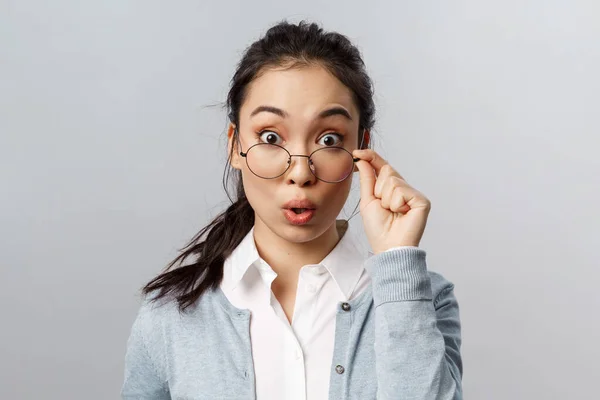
(298, 216)
(302, 205)
(299, 212)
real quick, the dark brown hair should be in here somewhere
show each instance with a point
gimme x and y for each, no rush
(285, 45)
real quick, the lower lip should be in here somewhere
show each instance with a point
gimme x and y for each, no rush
(298, 219)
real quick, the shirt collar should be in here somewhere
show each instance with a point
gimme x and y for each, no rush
(345, 263)
(243, 257)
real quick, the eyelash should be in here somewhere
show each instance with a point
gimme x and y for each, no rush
(339, 135)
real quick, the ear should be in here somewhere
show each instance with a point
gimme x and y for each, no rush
(232, 141)
(366, 140)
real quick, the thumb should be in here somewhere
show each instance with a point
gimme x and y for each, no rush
(367, 181)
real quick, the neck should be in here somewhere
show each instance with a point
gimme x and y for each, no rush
(287, 256)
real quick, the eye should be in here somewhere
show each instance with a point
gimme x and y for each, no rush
(331, 142)
(270, 136)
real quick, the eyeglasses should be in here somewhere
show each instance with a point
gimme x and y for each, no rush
(328, 164)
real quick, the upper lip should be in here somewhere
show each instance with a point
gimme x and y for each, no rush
(305, 203)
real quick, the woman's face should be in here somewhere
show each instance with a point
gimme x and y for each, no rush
(296, 97)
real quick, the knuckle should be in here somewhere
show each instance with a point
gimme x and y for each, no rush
(398, 180)
(387, 168)
(427, 202)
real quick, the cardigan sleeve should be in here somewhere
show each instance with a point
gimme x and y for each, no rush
(144, 379)
(417, 329)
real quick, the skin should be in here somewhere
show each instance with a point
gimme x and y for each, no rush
(394, 214)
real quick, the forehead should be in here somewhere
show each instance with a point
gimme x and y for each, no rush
(301, 92)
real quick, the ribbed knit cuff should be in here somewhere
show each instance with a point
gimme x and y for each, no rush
(399, 275)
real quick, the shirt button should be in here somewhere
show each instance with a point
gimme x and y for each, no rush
(339, 369)
(346, 307)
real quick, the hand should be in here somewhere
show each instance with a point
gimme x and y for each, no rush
(393, 213)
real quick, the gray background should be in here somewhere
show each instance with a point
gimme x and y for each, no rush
(110, 160)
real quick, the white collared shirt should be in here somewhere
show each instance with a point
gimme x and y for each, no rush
(293, 361)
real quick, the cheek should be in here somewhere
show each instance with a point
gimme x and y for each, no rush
(336, 195)
(258, 191)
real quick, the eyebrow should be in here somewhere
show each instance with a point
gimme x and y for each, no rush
(323, 114)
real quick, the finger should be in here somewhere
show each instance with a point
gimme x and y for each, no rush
(386, 173)
(372, 158)
(367, 181)
(398, 202)
(376, 161)
(386, 193)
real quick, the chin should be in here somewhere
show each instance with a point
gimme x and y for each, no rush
(281, 227)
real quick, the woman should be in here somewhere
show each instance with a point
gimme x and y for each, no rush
(274, 299)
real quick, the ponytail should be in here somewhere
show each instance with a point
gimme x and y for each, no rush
(186, 283)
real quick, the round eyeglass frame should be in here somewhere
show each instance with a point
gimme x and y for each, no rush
(289, 162)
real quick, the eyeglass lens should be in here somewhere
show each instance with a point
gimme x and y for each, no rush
(330, 164)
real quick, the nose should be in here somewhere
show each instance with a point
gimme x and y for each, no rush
(299, 172)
